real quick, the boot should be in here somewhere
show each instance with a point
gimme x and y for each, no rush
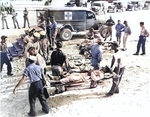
(117, 90)
(93, 84)
(114, 88)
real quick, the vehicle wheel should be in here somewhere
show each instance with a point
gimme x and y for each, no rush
(66, 34)
(104, 32)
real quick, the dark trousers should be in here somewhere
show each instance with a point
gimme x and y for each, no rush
(26, 19)
(142, 40)
(36, 90)
(4, 59)
(48, 34)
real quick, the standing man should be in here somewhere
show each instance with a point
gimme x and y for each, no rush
(127, 32)
(57, 60)
(44, 45)
(39, 59)
(34, 72)
(14, 15)
(96, 52)
(10, 8)
(3, 56)
(119, 28)
(53, 31)
(4, 15)
(25, 12)
(142, 39)
(110, 22)
(41, 20)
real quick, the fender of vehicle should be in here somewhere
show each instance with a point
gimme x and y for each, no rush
(67, 26)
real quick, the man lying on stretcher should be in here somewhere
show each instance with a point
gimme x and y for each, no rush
(94, 75)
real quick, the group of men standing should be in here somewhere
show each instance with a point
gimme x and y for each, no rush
(14, 18)
(127, 31)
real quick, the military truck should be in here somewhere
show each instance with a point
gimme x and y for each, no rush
(116, 6)
(72, 20)
(100, 6)
(134, 5)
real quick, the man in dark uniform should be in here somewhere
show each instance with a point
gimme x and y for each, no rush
(57, 60)
(110, 22)
(34, 72)
(25, 12)
(48, 23)
(14, 15)
(4, 15)
(3, 56)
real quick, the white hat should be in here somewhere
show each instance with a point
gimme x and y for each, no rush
(30, 29)
(36, 34)
(42, 32)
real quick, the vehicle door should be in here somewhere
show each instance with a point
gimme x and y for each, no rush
(90, 19)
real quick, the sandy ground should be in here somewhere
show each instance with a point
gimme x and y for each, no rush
(132, 101)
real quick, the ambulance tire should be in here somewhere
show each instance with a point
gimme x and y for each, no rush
(66, 34)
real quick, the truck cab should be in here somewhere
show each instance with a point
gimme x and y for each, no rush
(72, 20)
(99, 7)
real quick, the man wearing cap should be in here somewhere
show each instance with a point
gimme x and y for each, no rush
(127, 32)
(39, 59)
(142, 39)
(4, 57)
(14, 15)
(44, 45)
(25, 12)
(53, 31)
(29, 35)
(28, 39)
(96, 52)
(36, 44)
(34, 72)
(4, 15)
(57, 60)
